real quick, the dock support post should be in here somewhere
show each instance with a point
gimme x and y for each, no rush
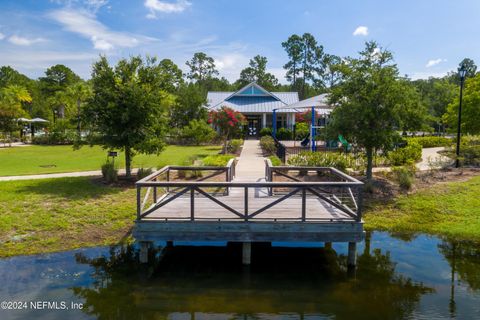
(246, 253)
(352, 254)
(144, 251)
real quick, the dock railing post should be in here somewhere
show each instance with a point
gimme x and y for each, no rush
(359, 203)
(304, 204)
(192, 204)
(139, 205)
(246, 203)
(168, 179)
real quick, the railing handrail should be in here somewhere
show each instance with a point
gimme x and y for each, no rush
(239, 184)
(313, 168)
(229, 166)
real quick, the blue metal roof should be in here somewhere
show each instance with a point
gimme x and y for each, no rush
(251, 99)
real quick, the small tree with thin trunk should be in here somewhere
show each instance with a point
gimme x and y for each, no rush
(128, 108)
(228, 121)
(370, 102)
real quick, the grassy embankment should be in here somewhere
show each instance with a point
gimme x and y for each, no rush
(447, 209)
(50, 215)
(54, 159)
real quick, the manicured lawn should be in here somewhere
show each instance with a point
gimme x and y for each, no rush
(59, 214)
(52, 159)
(450, 209)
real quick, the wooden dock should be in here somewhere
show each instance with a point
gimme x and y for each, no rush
(266, 210)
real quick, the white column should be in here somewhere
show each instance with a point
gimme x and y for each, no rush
(293, 119)
(264, 120)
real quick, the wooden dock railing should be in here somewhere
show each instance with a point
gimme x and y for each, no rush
(342, 192)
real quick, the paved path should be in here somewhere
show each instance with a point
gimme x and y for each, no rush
(251, 163)
(431, 156)
(428, 155)
(60, 175)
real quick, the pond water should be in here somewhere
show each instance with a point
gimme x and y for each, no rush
(398, 277)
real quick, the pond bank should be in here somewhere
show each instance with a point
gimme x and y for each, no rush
(435, 206)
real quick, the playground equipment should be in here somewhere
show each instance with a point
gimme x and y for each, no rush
(313, 125)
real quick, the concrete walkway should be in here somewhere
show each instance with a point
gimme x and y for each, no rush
(251, 163)
(431, 159)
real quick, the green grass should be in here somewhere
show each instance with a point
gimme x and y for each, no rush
(50, 215)
(450, 209)
(54, 159)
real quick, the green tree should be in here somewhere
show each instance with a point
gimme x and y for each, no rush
(197, 132)
(257, 71)
(306, 59)
(202, 67)
(470, 108)
(332, 74)
(188, 106)
(57, 78)
(11, 99)
(77, 95)
(10, 76)
(171, 75)
(52, 86)
(128, 107)
(294, 48)
(412, 111)
(436, 94)
(470, 66)
(367, 101)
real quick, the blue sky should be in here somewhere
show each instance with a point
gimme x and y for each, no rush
(428, 38)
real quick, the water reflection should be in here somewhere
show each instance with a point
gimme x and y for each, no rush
(397, 277)
(294, 283)
(464, 260)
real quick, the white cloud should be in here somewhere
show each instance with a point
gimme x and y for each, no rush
(90, 5)
(165, 7)
(2, 36)
(426, 75)
(34, 62)
(434, 62)
(361, 31)
(22, 41)
(86, 25)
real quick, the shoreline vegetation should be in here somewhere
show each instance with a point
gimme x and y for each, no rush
(442, 203)
(49, 215)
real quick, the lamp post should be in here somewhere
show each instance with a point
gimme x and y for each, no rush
(54, 116)
(461, 72)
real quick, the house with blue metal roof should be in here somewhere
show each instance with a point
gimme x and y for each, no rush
(257, 105)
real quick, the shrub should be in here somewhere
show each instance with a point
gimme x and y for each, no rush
(409, 154)
(268, 145)
(340, 161)
(109, 173)
(404, 176)
(234, 145)
(142, 173)
(275, 160)
(284, 134)
(265, 132)
(431, 142)
(197, 132)
(218, 160)
(302, 130)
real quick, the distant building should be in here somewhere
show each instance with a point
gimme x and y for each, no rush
(257, 105)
